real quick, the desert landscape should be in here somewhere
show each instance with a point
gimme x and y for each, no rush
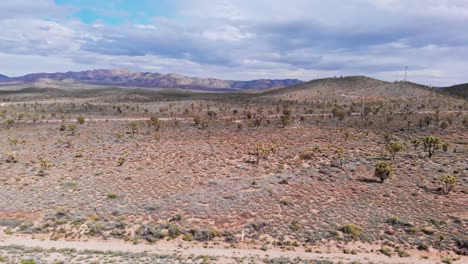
(234, 132)
(327, 171)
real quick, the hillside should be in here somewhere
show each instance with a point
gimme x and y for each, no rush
(458, 90)
(119, 77)
(352, 88)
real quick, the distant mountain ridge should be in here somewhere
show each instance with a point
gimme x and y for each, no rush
(123, 77)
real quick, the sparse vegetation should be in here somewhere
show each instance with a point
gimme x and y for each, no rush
(153, 165)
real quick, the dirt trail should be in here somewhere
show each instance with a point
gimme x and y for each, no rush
(169, 248)
(187, 119)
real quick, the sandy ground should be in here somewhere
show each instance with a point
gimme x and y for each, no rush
(173, 247)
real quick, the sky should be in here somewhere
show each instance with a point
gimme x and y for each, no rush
(240, 39)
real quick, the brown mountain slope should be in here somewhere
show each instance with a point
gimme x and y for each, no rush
(353, 88)
(119, 77)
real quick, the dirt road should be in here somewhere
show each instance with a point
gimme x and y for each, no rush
(169, 248)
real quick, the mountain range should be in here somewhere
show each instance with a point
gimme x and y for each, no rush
(123, 77)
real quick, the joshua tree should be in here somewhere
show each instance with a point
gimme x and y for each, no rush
(448, 183)
(262, 151)
(383, 170)
(44, 166)
(394, 148)
(286, 118)
(431, 144)
(133, 127)
(154, 122)
(443, 125)
(416, 143)
(257, 122)
(196, 120)
(388, 138)
(445, 146)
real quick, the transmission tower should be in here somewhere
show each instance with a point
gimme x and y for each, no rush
(406, 73)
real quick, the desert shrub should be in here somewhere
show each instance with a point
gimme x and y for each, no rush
(72, 129)
(423, 246)
(396, 221)
(306, 156)
(431, 144)
(229, 237)
(295, 226)
(258, 226)
(80, 120)
(121, 161)
(201, 235)
(9, 122)
(187, 237)
(45, 164)
(112, 196)
(383, 170)
(174, 231)
(62, 128)
(11, 158)
(394, 148)
(448, 183)
(149, 233)
(353, 230)
(286, 201)
(339, 113)
(211, 114)
(386, 252)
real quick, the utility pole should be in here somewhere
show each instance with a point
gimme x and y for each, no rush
(406, 73)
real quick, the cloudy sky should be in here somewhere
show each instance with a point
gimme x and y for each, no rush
(240, 39)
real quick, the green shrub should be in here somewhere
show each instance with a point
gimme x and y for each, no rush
(383, 170)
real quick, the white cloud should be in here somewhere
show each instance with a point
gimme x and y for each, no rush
(242, 39)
